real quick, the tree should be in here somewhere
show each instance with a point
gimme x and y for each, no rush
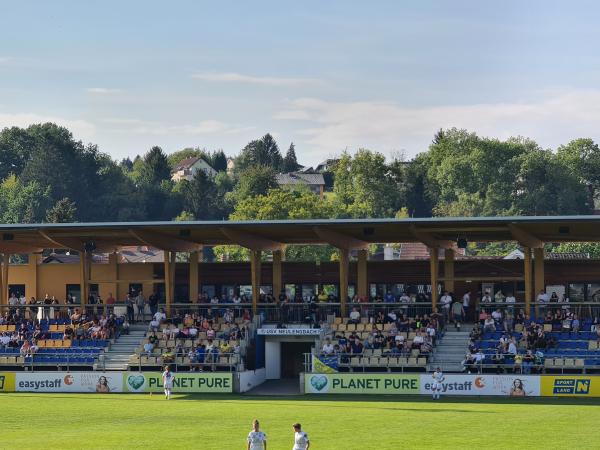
(261, 152)
(582, 157)
(290, 163)
(254, 181)
(126, 164)
(22, 203)
(154, 168)
(218, 161)
(202, 198)
(592, 249)
(62, 212)
(545, 187)
(281, 204)
(364, 187)
(15, 148)
(184, 216)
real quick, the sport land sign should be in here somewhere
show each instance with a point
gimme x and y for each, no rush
(139, 382)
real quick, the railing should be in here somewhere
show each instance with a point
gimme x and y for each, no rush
(40, 311)
(45, 359)
(351, 362)
(583, 310)
(211, 362)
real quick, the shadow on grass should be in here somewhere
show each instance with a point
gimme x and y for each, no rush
(299, 399)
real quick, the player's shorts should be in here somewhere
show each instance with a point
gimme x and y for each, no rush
(169, 385)
(436, 386)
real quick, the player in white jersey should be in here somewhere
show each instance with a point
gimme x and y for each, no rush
(301, 441)
(436, 386)
(257, 440)
(167, 379)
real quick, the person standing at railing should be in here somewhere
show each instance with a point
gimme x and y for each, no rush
(466, 304)
(130, 309)
(458, 314)
(140, 301)
(446, 302)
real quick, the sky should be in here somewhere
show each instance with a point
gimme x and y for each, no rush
(327, 75)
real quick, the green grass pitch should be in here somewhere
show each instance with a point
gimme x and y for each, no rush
(75, 421)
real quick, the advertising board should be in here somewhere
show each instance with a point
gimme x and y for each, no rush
(361, 383)
(138, 382)
(570, 386)
(99, 382)
(502, 385)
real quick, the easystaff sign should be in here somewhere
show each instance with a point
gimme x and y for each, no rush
(98, 382)
(289, 331)
(502, 385)
(184, 382)
(360, 383)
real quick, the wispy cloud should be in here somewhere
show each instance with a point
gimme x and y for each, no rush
(5, 60)
(204, 127)
(553, 119)
(81, 129)
(103, 91)
(232, 77)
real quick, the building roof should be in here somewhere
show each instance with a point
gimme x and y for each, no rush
(186, 163)
(352, 233)
(300, 178)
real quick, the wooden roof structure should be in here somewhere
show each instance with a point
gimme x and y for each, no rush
(349, 234)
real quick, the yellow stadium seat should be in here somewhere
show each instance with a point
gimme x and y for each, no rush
(2, 328)
(11, 327)
(412, 361)
(422, 361)
(593, 345)
(53, 328)
(66, 343)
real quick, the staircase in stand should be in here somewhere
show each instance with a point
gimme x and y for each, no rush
(451, 350)
(117, 357)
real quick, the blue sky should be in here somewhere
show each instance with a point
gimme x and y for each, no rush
(328, 76)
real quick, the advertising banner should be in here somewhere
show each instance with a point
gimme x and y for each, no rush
(139, 382)
(570, 386)
(289, 331)
(361, 383)
(7, 382)
(503, 385)
(69, 382)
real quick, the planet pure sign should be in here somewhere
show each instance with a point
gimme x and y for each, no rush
(183, 382)
(345, 383)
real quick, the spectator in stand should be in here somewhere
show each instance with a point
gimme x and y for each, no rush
(154, 324)
(4, 340)
(489, 325)
(389, 297)
(498, 359)
(160, 316)
(417, 340)
(458, 314)
(446, 302)
(499, 297)
(130, 310)
(140, 302)
(528, 361)
(466, 303)
(542, 299)
(575, 324)
(512, 346)
(487, 298)
(356, 347)
(497, 316)
(354, 316)
(153, 303)
(25, 349)
(110, 301)
(327, 349)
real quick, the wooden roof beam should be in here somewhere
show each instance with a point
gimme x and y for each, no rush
(525, 238)
(76, 244)
(251, 241)
(165, 241)
(430, 240)
(12, 248)
(339, 240)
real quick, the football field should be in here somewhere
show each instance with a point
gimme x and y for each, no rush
(75, 421)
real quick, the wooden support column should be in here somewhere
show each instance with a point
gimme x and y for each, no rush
(344, 269)
(528, 272)
(434, 265)
(193, 277)
(255, 275)
(168, 282)
(277, 273)
(84, 277)
(4, 279)
(361, 285)
(449, 270)
(538, 273)
(31, 287)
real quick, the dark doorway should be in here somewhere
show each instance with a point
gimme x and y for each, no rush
(292, 358)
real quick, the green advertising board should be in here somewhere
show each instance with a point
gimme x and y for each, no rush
(183, 382)
(360, 383)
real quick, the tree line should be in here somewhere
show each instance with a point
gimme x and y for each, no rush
(48, 176)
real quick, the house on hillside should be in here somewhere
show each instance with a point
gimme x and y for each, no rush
(188, 167)
(314, 181)
(327, 165)
(230, 165)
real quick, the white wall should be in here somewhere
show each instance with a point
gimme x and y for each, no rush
(249, 379)
(273, 359)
